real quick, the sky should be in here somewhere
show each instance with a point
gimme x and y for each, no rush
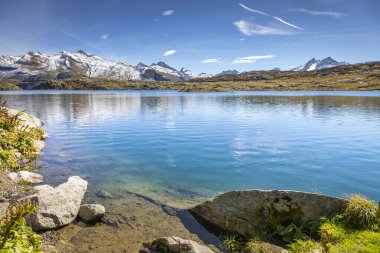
(201, 35)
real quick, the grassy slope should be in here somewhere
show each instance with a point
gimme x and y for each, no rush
(4, 85)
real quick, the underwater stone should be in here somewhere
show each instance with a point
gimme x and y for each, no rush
(178, 245)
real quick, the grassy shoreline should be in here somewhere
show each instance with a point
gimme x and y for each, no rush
(344, 78)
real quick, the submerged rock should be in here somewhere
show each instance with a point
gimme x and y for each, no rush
(248, 212)
(178, 245)
(91, 212)
(59, 206)
(104, 194)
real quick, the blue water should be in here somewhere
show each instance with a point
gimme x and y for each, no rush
(190, 146)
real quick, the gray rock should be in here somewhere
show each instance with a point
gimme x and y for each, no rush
(26, 176)
(15, 177)
(26, 120)
(176, 245)
(59, 206)
(31, 177)
(91, 212)
(247, 212)
(39, 145)
(3, 209)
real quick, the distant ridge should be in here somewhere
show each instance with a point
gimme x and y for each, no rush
(314, 64)
(228, 72)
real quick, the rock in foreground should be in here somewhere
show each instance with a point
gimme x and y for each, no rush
(57, 206)
(248, 212)
(91, 212)
(178, 245)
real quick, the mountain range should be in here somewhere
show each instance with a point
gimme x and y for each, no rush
(36, 67)
(314, 64)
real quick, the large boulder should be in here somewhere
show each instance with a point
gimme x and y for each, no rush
(91, 212)
(59, 206)
(248, 212)
(178, 245)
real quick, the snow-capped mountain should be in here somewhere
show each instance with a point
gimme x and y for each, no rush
(228, 72)
(183, 74)
(314, 64)
(36, 66)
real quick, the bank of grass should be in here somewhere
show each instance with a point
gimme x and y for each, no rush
(357, 229)
(17, 150)
(4, 85)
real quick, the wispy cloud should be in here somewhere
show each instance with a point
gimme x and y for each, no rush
(268, 15)
(250, 29)
(333, 14)
(251, 59)
(104, 36)
(169, 52)
(168, 13)
(211, 60)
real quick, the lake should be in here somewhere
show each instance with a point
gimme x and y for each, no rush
(182, 148)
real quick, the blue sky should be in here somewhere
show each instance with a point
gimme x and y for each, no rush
(202, 35)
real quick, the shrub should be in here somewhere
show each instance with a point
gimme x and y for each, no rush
(360, 213)
(15, 235)
(257, 246)
(231, 243)
(290, 232)
(307, 246)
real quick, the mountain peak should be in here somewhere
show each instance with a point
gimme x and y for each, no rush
(84, 53)
(314, 64)
(228, 72)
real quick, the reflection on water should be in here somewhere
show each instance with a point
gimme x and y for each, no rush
(184, 147)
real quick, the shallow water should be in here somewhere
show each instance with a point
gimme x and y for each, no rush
(181, 148)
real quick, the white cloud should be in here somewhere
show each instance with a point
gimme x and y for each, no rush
(156, 19)
(242, 39)
(250, 29)
(242, 61)
(267, 15)
(251, 59)
(256, 57)
(169, 52)
(212, 60)
(104, 36)
(168, 13)
(321, 13)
